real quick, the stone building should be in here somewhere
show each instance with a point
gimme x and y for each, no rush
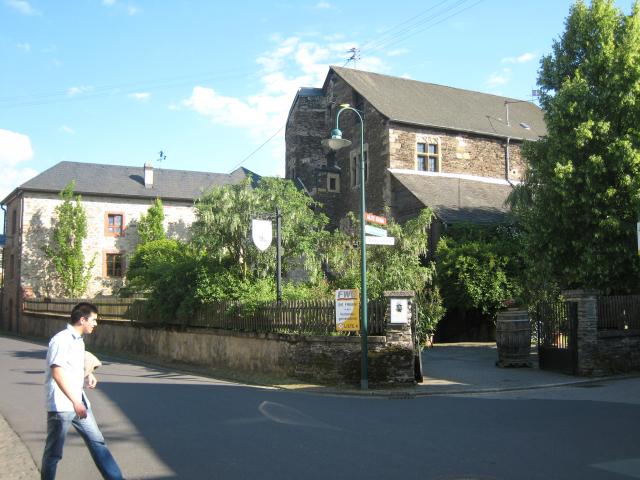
(456, 151)
(114, 197)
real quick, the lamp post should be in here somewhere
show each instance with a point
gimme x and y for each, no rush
(336, 142)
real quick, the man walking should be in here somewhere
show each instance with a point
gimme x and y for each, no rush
(66, 402)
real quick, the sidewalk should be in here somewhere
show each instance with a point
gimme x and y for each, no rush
(15, 459)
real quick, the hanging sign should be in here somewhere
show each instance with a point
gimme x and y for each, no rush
(261, 234)
(348, 310)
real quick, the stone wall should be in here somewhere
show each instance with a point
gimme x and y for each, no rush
(328, 360)
(600, 351)
(39, 217)
(460, 153)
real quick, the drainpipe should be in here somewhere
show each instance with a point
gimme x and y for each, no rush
(18, 305)
(507, 164)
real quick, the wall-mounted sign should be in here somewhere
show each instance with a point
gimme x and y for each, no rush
(348, 310)
(370, 217)
(380, 240)
(261, 234)
(399, 310)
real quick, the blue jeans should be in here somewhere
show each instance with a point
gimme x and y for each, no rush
(58, 424)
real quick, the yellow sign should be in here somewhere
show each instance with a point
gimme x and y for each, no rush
(348, 310)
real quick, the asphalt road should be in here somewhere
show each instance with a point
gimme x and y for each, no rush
(165, 425)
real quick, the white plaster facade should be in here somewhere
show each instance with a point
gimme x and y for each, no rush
(39, 217)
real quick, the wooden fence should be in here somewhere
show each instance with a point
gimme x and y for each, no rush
(312, 317)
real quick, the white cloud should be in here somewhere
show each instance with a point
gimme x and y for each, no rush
(140, 96)
(15, 148)
(292, 63)
(78, 90)
(22, 6)
(524, 58)
(67, 129)
(132, 10)
(109, 3)
(499, 78)
(323, 5)
(25, 47)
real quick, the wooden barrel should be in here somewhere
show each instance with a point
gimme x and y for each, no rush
(513, 338)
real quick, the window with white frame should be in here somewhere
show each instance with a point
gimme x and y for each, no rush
(428, 154)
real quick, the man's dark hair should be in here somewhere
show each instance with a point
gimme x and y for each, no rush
(82, 310)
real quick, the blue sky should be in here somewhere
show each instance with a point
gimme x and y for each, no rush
(117, 81)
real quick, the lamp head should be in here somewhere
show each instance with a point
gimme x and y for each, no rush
(336, 142)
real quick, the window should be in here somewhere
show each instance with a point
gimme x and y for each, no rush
(428, 155)
(114, 224)
(114, 263)
(355, 166)
(14, 222)
(12, 265)
(333, 182)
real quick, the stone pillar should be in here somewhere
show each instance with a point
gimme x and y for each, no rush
(399, 344)
(587, 341)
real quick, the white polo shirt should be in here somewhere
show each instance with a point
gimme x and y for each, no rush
(66, 350)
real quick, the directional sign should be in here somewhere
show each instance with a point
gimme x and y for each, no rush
(380, 240)
(378, 232)
(370, 217)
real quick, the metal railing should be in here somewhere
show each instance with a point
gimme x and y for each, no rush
(619, 312)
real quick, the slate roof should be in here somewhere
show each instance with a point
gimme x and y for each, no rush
(127, 181)
(427, 104)
(455, 199)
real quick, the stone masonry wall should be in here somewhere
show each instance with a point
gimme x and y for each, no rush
(328, 360)
(39, 216)
(460, 153)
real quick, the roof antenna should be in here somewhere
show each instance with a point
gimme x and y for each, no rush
(161, 156)
(355, 55)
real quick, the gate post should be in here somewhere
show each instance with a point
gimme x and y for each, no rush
(587, 338)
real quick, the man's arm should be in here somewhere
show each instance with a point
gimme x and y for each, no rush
(60, 377)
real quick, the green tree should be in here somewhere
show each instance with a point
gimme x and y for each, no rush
(223, 227)
(578, 205)
(151, 224)
(65, 248)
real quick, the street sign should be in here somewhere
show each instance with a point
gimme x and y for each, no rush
(380, 240)
(378, 232)
(348, 310)
(370, 217)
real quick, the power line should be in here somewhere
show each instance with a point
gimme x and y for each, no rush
(257, 149)
(414, 30)
(118, 89)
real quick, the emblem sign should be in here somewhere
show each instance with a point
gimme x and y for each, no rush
(261, 234)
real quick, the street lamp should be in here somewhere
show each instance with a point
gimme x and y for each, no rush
(336, 142)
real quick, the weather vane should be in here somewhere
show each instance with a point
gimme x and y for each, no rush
(161, 156)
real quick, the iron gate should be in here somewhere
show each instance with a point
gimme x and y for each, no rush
(557, 329)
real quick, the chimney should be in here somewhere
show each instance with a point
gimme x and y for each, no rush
(148, 175)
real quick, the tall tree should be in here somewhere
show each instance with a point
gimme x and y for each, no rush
(151, 224)
(579, 202)
(65, 248)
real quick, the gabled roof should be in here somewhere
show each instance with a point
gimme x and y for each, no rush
(456, 199)
(127, 181)
(427, 104)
